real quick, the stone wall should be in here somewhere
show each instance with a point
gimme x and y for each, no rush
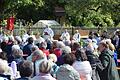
(58, 31)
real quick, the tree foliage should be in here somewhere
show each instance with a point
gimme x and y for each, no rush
(27, 9)
(97, 12)
(89, 13)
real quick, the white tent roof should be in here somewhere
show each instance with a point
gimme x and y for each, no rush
(43, 23)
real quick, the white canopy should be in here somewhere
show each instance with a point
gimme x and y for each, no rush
(44, 23)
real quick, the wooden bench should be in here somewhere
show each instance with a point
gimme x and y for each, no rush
(118, 68)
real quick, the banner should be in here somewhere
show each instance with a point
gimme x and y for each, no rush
(10, 23)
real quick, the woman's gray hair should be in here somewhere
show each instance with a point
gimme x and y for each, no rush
(3, 66)
(66, 50)
(52, 57)
(45, 66)
(43, 45)
(60, 44)
(34, 47)
(17, 52)
(39, 53)
(67, 43)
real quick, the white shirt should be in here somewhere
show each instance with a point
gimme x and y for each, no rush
(25, 37)
(49, 34)
(76, 37)
(65, 36)
(39, 40)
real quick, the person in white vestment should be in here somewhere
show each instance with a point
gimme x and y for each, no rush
(48, 33)
(76, 36)
(65, 36)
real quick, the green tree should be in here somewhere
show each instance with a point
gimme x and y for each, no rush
(97, 12)
(27, 9)
(105, 13)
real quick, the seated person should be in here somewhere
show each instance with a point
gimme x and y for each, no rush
(44, 69)
(66, 71)
(26, 69)
(3, 70)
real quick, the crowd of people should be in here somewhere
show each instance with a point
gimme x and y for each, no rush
(35, 57)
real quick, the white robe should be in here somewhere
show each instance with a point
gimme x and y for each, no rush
(65, 36)
(49, 34)
(39, 40)
(76, 37)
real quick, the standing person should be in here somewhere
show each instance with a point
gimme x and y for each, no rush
(93, 59)
(76, 36)
(48, 33)
(108, 70)
(65, 36)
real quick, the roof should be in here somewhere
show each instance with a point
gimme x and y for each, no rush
(42, 23)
